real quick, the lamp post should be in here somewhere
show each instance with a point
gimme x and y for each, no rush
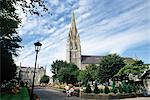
(37, 49)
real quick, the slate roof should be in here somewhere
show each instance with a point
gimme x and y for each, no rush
(90, 59)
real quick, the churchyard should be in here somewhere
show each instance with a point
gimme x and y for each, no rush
(104, 80)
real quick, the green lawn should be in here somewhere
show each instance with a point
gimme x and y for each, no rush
(22, 95)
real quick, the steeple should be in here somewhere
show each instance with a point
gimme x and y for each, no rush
(73, 25)
(73, 44)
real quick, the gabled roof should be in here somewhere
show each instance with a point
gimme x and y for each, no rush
(91, 59)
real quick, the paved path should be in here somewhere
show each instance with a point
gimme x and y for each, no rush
(49, 94)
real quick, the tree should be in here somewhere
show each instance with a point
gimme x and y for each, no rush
(84, 77)
(130, 69)
(93, 72)
(9, 38)
(56, 66)
(109, 66)
(68, 74)
(64, 72)
(44, 79)
(8, 67)
(138, 63)
(27, 6)
(89, 74)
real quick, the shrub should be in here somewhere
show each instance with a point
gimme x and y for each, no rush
(130, 88)
(101, 91)
(96, 90)
(120, 88)
(127, 88)
(106, 90)
(88, 89)
(124, 87)
(114, 90)
(134, 87)
(44, 79)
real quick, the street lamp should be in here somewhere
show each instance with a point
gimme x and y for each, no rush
(37, 49)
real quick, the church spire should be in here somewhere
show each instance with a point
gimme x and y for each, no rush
(73, 44)
(73, 24)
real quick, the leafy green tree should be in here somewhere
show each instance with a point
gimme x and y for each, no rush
(89, 74)
(8, 67)
(56, 66)
(130, 69)
(109, 66)
(9, 38)
(138, 63)
(27, 6)
(68, 74)
(93, 72)
(44, 79)
(83, 77)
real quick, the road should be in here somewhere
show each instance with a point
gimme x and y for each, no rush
(49, 94)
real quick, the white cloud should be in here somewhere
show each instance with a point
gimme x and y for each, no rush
(116, 43)
(54, 2)
(100, 32)
(60, 9)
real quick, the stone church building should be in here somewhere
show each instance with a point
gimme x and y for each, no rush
(73, 53)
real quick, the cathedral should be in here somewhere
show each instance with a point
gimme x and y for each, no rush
(73, 53)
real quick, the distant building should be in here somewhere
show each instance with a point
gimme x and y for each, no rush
(26, 74)
(73, 53)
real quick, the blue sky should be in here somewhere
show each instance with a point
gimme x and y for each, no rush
(105, 26)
